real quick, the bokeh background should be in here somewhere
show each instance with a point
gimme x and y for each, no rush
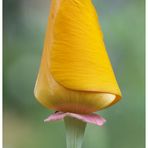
(123, 25)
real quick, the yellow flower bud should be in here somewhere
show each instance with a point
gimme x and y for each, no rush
(75, 73)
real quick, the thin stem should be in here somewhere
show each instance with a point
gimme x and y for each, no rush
(74, 132)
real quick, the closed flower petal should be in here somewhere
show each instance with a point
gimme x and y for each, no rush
(75, 73)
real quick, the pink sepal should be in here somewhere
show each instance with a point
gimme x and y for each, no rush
(88, 118)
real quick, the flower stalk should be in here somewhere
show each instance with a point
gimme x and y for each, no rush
(75, 130)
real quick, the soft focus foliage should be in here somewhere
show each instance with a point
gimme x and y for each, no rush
(122, 23)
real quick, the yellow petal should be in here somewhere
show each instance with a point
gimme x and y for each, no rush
(75, 73)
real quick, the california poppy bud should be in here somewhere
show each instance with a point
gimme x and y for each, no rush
(75, 73)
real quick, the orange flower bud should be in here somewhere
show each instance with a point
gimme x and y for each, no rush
(75, 73)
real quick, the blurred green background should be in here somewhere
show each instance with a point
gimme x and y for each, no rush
(123, 25)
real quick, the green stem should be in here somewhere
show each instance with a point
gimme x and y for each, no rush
(74, 132)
